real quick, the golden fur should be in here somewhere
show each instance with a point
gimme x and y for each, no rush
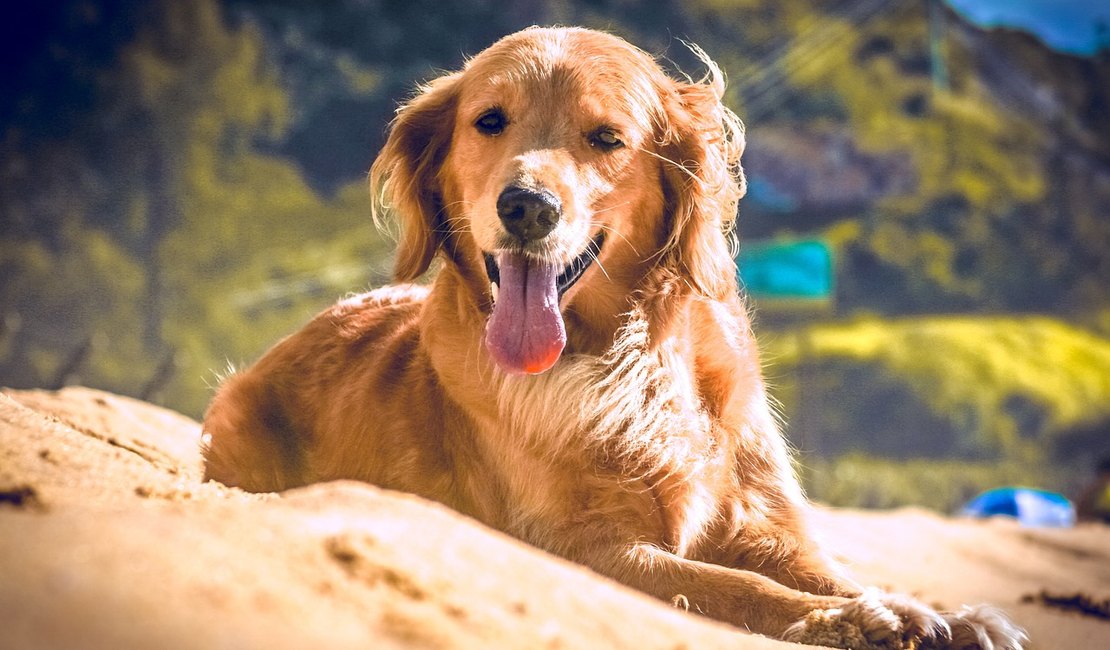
(648, 451)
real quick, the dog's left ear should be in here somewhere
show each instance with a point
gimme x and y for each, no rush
(703, 181)
(405, 174)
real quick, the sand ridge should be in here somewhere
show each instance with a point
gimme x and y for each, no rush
(109, 539)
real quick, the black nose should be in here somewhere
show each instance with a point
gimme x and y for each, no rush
(528, 214)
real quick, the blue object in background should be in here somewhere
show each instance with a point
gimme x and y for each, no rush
(771, 198)
(787, 270)
(1030, 506)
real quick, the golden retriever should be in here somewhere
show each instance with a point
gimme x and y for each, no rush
(581, 373)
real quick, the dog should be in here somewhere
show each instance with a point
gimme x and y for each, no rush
(581, 373)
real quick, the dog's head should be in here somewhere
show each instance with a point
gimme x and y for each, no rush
(561, 173)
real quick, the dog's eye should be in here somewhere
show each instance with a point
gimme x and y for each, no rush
(492, 122)
(605, 139)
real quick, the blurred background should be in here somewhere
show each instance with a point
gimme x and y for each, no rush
(926, 238)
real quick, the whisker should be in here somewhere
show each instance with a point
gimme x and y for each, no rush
(680, 167)
(612, 207)
(463, 203)
(611, 229)
(602, 267)
(457, 224)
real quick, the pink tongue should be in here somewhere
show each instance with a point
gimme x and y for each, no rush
(525, 334)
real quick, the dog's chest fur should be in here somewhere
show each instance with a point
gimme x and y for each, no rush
(619, 441)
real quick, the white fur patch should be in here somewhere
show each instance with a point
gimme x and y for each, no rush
(635, 407)
(984, 627)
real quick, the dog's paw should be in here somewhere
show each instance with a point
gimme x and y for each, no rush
(921, 625)
(873, 621)
(983, 628)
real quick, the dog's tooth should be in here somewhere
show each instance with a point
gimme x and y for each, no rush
(493, 290)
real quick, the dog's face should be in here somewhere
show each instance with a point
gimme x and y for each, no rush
(546, 167)
(554, 172)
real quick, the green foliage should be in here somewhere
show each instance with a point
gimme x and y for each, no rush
(997, 208)
(249, 226)
(933, 411)
(988, 388)
(245, 280)
(84, 291)
(861, 481)
(177, 237)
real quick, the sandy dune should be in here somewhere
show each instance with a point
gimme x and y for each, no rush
(108, 539)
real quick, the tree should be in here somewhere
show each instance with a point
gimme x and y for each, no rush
(174, 216)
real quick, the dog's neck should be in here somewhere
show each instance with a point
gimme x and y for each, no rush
(635, 402)
(629, 396)
(657, 408)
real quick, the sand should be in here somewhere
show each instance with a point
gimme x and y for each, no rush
(109, 539)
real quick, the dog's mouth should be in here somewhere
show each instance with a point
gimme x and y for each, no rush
(525, 333)
(566, 279)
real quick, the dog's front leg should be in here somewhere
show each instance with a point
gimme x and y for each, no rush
(759, 604)
(742, 598)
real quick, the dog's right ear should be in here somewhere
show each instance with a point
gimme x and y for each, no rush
(405, 175)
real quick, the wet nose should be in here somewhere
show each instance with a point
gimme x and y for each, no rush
(528, 214)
